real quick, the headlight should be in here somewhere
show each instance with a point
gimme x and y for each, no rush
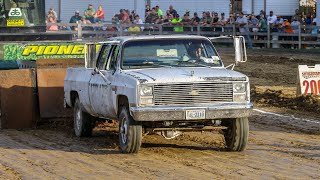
(147, 100)
(240, 98)
(239, 87)
(146, 91)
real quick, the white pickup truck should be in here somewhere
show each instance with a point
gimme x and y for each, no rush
(160, 84)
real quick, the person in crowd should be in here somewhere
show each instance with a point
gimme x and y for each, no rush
(50, 26)
(262, 14)
(148, 9)
(215, 22)
(308, 20)
(286, 27)
(253, 23)
(152, 17)
(85, 21)
(75, 19)
(195, 20)
(134, 28)
(186, 21)
(242, 24)
(222, 22)
(159, 12)
(215, 19)
(137, 20)
(89, 13)
(206, 20)
(262, 25)
(100, 14)
(295, 25)
(297, 16)
(52, 13)
(271, 19)
(172, 11)
(124, 17)
(177, 21)
(278, 23)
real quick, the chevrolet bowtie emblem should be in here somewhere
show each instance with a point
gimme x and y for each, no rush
(194, 93)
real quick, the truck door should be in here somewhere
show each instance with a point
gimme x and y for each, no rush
(98, 80)
(102, 92)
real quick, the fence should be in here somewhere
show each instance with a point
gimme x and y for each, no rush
(302, 36)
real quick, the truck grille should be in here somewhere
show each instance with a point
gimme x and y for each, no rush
(192, 93)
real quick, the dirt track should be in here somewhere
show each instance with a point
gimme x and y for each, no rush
(284, 143)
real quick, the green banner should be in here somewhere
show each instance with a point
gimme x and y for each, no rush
(41, 51)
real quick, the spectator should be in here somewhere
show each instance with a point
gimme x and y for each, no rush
(254, 22)
(52, 27)
(132, 16)
(85, 21)
(52, 13)
(262, 25)
(89, 13)
(124, 17)
(215, 19)
(297, 16)
(278, 23)
(152, 17)
(186, 21)
(172, 11)
(137, 20)
(134, 28)
(262, 14)
(100, 14)
(295, 25)
(159, 12)
(168, 17)
(271, 19)
(148, 9)
(75, 19)
(177, 21)
(308, 19)
(195, 20)
(286, 26)
(242, 23)
(222, 22)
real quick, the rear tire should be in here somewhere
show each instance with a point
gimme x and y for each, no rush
(236, 136)
(82, 121)
(130, 133)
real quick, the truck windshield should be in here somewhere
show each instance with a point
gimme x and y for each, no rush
(169, 53)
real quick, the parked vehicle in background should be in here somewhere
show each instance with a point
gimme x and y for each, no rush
(160, 84)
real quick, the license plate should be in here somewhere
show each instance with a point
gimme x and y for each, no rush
(196, 114)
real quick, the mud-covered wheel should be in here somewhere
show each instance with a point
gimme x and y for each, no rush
(236, 136)
(130, 133)
(82, 121)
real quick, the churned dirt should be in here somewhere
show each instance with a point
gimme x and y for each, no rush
(284, 140)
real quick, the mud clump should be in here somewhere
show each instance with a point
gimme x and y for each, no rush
(279, 99)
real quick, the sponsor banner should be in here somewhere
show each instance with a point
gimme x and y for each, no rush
(308, 80)
(43, 51)
(15, 22)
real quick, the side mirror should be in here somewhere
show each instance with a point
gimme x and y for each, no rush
(90, 55)
(240, 49)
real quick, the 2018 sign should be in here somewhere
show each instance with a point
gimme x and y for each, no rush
(309, 80)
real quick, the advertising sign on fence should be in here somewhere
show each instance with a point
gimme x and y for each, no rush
(308, 80)
(42, 51)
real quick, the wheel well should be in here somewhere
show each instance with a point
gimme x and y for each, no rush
(122, 102)
(73, 96)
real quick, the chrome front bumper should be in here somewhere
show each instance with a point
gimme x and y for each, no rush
(173, 113)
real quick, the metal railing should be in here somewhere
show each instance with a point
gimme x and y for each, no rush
(304, 35)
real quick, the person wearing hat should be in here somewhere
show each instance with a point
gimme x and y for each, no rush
(271, 18)
(75, 19)
(159, 11)
(177, 21)
(89, 13)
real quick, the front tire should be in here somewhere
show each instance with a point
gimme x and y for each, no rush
(82, 121)
(236, 136)
(130, 133)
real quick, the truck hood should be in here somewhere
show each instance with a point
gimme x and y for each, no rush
(165, 75)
